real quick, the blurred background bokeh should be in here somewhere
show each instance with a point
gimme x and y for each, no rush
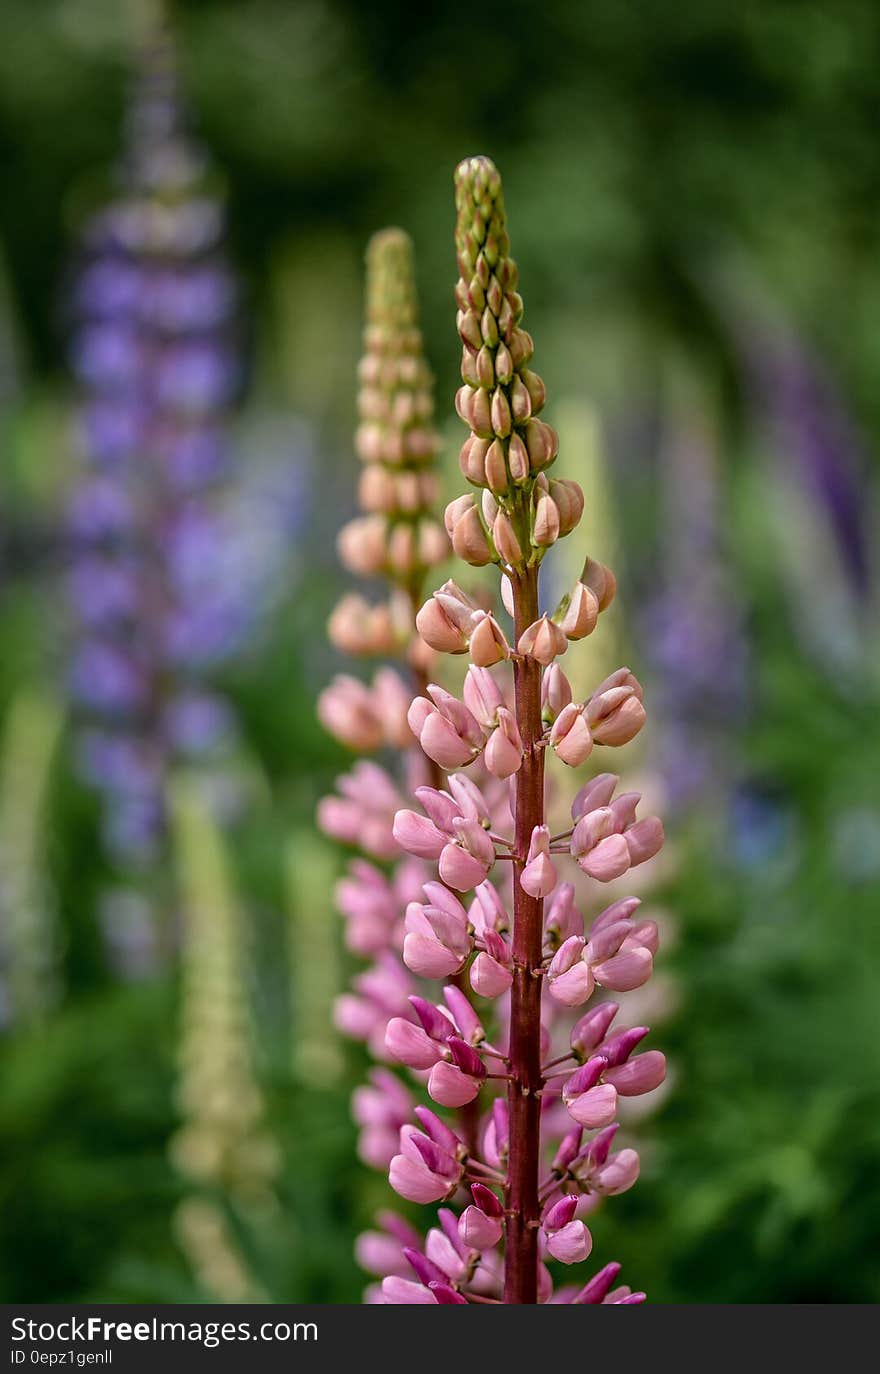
(694, 199)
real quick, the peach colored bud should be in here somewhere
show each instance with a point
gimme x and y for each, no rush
(546, 528)
(570, 500)
(438, 629)
(542, 443)
(482, 696)
(469, 539)
(485, 369)
(503, 364)
(464, 402)
(469, 328)
(571, 737)
(363, 544)
(521, 347)
(507, 594)
(535, 387)
(538, 877)
(490, 508)
(469, 368)
(496, 468)
(481, 414)
(488, 643)
(542, 640)
(500, 413)
(472, 460)
(555, 693)
(505, 539)
(581, 614)
(441, 742)
(601, 581)
(615, 716)
(504, 749)
(518, 458)
(520, 401)
(460, 608)
(455, 510)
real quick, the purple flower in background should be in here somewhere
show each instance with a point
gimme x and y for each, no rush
(694, 624)
(815, 428)
(156, 581)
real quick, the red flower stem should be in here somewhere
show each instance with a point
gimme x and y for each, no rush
(524, 1102)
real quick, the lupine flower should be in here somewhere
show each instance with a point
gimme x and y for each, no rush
(223, 1145)
(163, 580)
(693, 625)
(29, 982)
(530, 1129)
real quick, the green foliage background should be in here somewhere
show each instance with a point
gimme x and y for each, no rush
(657, 159)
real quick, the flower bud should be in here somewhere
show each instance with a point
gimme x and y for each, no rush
(500, 413)
(504, 748)
(545, 530)
(505, 540)
(438, 629)
(478, 1231)
(535, 388)
(555, 693)
(542, 444)
(542, 640)
(591, 1029)
(570, 736)
(640, 1075)
(488, 643)
(570, 502)
(410, 1044)
(449, 1086)
(472, 460)
(538, 877)
(570, 1244)
(495, 469)
(488, 977)
(578, 619)
(466, 531)
(482, 696)
(518, 460)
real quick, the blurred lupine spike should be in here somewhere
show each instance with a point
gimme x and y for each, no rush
(29, 981)
(156, 584)
(454, 923)
(222, 1145)
(397, 536)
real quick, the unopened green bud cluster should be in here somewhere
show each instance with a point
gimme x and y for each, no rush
(509, 448)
